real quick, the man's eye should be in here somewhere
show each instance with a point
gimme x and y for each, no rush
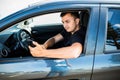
(67, 21)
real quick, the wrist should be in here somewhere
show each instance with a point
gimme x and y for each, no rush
(43, 47)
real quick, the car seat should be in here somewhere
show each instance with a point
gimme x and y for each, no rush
(84, 17)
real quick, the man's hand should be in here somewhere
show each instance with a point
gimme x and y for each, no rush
(37, 51)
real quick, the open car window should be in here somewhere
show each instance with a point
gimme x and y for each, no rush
(14, 41)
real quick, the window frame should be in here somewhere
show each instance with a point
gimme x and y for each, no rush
(92, 7)
(102, 32)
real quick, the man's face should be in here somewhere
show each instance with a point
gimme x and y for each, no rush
(70, 23)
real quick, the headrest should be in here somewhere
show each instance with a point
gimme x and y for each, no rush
(84, 17)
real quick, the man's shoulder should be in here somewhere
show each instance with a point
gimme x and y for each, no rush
(64, 33)
(82, 30)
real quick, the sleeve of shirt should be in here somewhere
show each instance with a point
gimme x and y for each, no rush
(63, 32)
(78, 38)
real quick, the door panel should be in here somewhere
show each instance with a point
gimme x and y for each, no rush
(107, 67)
(106, 63)
(33, 68)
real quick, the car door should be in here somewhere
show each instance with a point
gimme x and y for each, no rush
(45, 68)
(107, 54)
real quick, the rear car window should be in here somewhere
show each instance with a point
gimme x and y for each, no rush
(113, 30)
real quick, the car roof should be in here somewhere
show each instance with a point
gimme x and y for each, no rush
(47, 3)
(78, 1)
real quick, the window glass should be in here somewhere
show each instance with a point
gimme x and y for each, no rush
(113, 30)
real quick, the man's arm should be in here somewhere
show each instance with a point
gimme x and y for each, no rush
(50, 42)
(72, 51)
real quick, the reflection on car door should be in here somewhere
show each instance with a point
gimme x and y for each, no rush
(107, 58)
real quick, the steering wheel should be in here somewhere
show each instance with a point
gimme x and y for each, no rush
(24, 39)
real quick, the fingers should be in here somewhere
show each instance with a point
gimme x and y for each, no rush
(30, 48)
(33, 51)
(37, 50)
(35, 43)
(37, 47)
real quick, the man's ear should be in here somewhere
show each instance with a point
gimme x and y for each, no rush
(77, 21)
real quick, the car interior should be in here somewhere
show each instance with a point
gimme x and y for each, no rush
(15, 44)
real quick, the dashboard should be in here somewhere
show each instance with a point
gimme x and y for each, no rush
(16, 44)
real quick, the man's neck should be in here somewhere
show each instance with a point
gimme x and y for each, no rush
(77, 28)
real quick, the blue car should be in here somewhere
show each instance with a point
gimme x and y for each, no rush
(100, 59)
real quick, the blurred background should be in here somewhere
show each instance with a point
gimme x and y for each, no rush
(10, 6)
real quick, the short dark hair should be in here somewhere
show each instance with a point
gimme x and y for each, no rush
(75, 14)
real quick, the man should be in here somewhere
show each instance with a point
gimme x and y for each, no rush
(73, 35)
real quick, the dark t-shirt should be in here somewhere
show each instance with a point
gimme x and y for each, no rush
(78, 36)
